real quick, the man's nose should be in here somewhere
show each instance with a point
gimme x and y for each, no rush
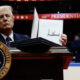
(5, 18)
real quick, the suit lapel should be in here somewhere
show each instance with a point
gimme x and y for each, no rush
(2, 39)
(15, 36)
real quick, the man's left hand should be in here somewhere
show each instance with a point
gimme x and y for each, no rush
(63, 39)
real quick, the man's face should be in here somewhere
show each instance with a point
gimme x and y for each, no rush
(76, 37)
(6, 20)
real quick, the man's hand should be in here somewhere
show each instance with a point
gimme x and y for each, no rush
(63, 39)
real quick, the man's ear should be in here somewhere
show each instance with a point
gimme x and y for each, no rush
(13, 19)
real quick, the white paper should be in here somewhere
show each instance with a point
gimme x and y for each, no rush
(35, 25)
(51, 30)
(47, 28)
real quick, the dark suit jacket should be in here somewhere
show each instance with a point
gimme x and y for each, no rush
(74, 46)
(16, 37)
(76, 43)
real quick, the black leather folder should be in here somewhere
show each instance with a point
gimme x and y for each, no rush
(33, 45)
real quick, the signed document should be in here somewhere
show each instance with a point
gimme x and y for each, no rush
(51, 30)
(48, 29)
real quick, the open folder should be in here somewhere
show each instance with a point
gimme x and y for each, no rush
(33, 45)
(49, 29)
(45, 34)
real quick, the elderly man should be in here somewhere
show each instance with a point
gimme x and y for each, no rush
(6, 27)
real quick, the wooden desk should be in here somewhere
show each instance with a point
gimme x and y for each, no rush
(39, 66)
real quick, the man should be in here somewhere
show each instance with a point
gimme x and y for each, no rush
(76, 47)
(6, 27)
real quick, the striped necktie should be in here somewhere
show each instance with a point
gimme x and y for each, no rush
(8, 39)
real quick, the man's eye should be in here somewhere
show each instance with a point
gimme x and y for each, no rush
(1, 16)
(7, 15)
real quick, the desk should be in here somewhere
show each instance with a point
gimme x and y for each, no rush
(39, 66)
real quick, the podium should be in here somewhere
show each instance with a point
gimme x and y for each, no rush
(48, 65)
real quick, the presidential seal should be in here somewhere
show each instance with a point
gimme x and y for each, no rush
(5, 60)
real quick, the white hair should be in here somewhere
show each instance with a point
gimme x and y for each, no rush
(7, 7)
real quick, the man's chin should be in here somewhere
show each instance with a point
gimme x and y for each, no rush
(7, 27)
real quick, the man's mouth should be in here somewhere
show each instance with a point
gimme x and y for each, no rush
(6, 24)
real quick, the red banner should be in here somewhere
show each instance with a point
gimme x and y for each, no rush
(49, 16)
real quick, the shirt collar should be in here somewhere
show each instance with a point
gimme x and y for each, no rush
(11, 36)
